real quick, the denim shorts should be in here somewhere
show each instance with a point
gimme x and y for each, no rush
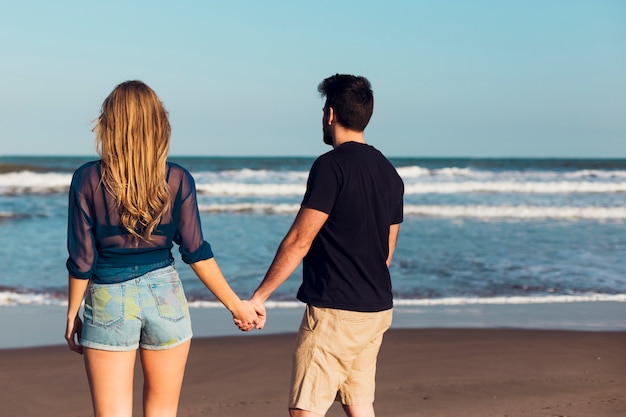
(149, 312)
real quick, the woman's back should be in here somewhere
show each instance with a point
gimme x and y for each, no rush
(97, 239)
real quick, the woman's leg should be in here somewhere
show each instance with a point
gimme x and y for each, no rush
(163, 378)
(110, 376)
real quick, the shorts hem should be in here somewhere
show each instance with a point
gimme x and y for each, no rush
(352, 401)
(165, 347)
(311, 409)
(99, 346)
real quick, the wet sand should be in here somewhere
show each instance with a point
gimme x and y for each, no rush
(421, 372)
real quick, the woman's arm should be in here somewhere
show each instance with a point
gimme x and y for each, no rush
(211, 276)
(74, 326)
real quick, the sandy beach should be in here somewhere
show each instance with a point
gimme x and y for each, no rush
(422, 372)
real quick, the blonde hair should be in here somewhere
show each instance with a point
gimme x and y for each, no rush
(132, 138)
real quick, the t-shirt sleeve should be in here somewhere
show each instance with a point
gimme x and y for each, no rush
(398, 213)
(322, 185)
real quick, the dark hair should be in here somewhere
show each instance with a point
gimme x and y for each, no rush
(351, 98)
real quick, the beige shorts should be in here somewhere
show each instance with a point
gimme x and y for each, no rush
(335, 358)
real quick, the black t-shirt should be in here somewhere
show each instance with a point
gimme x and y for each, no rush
(346, 266)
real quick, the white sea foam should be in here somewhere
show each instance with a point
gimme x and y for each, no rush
(27, 182)
(413, 188)
(595, 173)
(518, 212)
(254, 175)
(457, 301)
(8, 298)
(244, 189)
(269, 304)
(549, 299)
(250, 207)
(414, 172)
(418, 180)
(411, 172)
(479, 211)
(528, 187)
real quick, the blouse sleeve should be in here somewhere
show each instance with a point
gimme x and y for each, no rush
(80, 240)
(192, 246)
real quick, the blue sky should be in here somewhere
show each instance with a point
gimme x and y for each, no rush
(530, 78)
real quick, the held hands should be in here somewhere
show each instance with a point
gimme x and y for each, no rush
(73, 330)
(259, 307)
(252, 315)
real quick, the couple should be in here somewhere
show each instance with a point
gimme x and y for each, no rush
(127, 209)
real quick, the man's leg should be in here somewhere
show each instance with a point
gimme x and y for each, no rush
(296, 412)
(360, 384)
(357, 391)
(351, 411)
(359, 410)
(316, 370)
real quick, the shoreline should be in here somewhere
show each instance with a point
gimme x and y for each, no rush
(26, 326)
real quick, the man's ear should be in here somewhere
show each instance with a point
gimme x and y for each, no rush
(331, 116)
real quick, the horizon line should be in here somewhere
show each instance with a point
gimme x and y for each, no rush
(176, 155)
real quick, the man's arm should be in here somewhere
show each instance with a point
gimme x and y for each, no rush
(394, 229)
(290, 253)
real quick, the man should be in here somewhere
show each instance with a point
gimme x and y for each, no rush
(346, 232)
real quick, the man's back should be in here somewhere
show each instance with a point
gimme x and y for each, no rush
(362, 194)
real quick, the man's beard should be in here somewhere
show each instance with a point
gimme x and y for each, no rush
(328, 139)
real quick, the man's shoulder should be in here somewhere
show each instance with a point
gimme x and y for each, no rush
(358, 149)
(325, 159)
(353, 154)
(348, 151)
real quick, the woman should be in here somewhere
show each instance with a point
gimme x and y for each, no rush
(125, 210)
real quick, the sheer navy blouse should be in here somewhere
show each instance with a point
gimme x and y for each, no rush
(101, 249)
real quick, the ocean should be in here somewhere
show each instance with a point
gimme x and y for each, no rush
(476, 231)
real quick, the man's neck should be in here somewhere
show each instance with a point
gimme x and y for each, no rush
(343, 135)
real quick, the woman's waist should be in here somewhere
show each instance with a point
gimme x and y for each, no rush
(111, 273)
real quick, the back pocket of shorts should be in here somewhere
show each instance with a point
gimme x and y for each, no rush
(169, 298)
(107, 304)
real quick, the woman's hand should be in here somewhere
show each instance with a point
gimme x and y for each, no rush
(73, 331)
(74, 326)
(246, 316)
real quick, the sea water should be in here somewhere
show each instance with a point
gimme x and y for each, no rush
(475, 231)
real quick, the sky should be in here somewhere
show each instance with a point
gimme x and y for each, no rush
(474, 78)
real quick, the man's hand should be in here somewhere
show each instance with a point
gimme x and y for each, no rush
(259, 307)
(259, 322)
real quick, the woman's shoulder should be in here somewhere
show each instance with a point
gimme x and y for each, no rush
(180, 180)
(87, 170)
(176, 167)
(179, 177)
(86, 177)
(89, 166)
(177, 171)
